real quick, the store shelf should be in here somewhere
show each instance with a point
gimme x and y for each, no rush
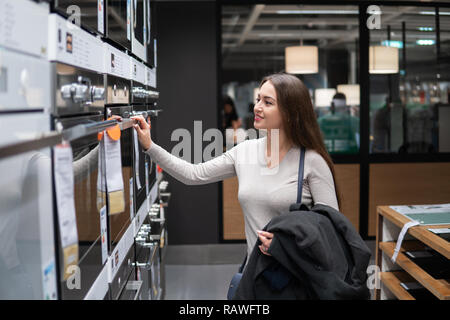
(392, 281)
(439, 287)
(419, 232)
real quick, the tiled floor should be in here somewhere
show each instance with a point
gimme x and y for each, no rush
(203, 272)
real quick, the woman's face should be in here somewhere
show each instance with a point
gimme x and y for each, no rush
(266, 110)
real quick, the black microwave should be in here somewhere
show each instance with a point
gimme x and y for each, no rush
(88, 14)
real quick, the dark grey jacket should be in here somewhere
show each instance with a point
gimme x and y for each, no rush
(316, 254)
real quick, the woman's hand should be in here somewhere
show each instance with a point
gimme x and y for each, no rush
(143, 131)
(266, 240)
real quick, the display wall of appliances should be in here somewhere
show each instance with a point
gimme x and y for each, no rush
(90, 14)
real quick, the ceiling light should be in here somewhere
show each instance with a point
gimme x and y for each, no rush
(432, 13)
(302, 59)
(426, 28)
(392, 43)
(425, 42)
(383, 60)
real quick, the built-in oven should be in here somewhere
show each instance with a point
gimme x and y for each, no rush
(120, 216)
(118, 22)
(139, 32)
(133, 289)
(27, 246)
(151, 33)
(77, 69)
(142, 164)
(24, 67)
(16, 17)
(143, 100)
(89, 201)
(148, 263)
(89, 14)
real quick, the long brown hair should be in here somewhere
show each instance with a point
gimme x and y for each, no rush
(299, 119)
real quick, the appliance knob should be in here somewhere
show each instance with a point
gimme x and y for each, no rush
(98, 93)
(66, 91)
(81, 93)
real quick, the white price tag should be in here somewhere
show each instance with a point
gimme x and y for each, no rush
(64, 185)
(104, 234)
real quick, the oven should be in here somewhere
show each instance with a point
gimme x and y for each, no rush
(143, 100)
(148, 263)
(118, 22)
(24, 67)
(24, 82)
(133, 289)
(76, 70)
(89, 14)
(151, 33)
(28, 268)
(89, 199)
(120, 217)
(27, 21)
(142, 164)
(139, 32)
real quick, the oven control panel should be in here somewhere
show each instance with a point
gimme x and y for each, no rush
(70, 44)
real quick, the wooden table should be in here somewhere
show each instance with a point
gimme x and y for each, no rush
(389, 225)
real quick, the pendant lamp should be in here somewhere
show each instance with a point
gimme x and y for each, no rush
(302, 59)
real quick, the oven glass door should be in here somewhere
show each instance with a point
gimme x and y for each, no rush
(27, 252)
(141, 160)
(88, 203)
(119, 22)
(90, 13)
(120, 221)
(138, 46)
(151, 33)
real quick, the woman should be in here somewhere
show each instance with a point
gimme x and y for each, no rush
(267, 184)
(230, 116)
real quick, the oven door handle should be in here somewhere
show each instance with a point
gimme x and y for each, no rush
(44, 140)
(83, 130)
(127, 123)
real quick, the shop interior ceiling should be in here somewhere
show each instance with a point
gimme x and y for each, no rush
(256, 35)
